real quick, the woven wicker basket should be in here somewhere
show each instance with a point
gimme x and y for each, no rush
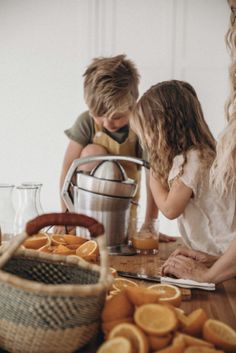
(51, 303)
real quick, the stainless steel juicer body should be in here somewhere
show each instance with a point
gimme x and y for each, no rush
(104, 194)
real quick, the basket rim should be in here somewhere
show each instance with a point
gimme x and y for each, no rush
(56, 289)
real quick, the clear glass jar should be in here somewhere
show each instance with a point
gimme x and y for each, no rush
(27, 206)
(7, 212)
(38, 194)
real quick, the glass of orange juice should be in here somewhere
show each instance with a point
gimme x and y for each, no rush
(145, 238)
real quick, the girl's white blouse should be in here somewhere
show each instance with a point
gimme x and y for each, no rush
(208, 222)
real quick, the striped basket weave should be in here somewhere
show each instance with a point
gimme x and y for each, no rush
(51, 303)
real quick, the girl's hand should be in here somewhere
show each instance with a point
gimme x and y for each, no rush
(185, 267)
(195, 255)
(164, 238)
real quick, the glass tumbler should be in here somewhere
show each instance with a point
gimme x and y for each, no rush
(145, 237)
(7, 212)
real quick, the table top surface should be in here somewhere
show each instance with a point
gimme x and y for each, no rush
(219, 304)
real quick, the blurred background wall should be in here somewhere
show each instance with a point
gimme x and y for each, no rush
(46, 45)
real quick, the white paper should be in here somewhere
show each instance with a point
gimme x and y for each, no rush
(187, 283)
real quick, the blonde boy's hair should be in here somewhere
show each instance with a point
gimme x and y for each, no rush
(223, 171)
(111, 85)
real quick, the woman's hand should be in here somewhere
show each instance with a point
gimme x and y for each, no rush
(184, 267)
(195, 255)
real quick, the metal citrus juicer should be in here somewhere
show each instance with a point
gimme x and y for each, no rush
(105, 194)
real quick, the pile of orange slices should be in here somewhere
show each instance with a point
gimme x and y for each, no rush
(66, 244)
(138, 319)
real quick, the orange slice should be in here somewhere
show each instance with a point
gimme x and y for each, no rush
(220, 334)
(156, 343)
(136, 337)
(141, 295)
(57, 239)
(193, 341)
(171, 349)
(37, 241)
(74, 240)
(118, 307)
(167, 293)
(197, 349)
(194, 322)
(155, 319)
(107, 326)
(63, 250)
(122, 283)
(116, 345)
(88, 250)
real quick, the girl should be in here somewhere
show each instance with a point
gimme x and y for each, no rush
(170, 123)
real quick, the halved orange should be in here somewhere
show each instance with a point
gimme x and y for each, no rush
(36, 241)
(113, 271)
(116, 345)
(155, 319)
(141, 295)
(195, 321)
(118, 307)
(47, 248)
(167, 293)
(122, 283)
(137, 338)
(177, 346)
(74, 240)
(63, 250)
(197, 349)
(182, 318)
(193, 341)
(88, 250)
(156, 342)
(107, 326)
(57, 239)
(220, 334)
(114, 292)
(171, 349)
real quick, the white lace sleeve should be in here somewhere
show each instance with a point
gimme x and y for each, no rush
(189, 174)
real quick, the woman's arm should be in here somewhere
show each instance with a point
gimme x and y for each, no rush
(173, 202)
(184, 267)
(225, 267)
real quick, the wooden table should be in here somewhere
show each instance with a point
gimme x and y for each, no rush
(220, 304)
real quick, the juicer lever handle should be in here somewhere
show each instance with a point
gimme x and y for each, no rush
(80, 161)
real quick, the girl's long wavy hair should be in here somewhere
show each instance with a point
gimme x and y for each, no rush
(223, 171)
(169, 121)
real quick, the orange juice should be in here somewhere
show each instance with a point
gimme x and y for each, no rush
(146, 242)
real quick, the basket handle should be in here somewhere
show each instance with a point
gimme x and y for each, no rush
(61, 219)
(71, 219)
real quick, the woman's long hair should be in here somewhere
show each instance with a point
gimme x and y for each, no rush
(223, 171)
(169, 121)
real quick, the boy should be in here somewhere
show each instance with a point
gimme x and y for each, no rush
(110, 91)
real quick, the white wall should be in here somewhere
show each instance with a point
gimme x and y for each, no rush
(46, 45)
